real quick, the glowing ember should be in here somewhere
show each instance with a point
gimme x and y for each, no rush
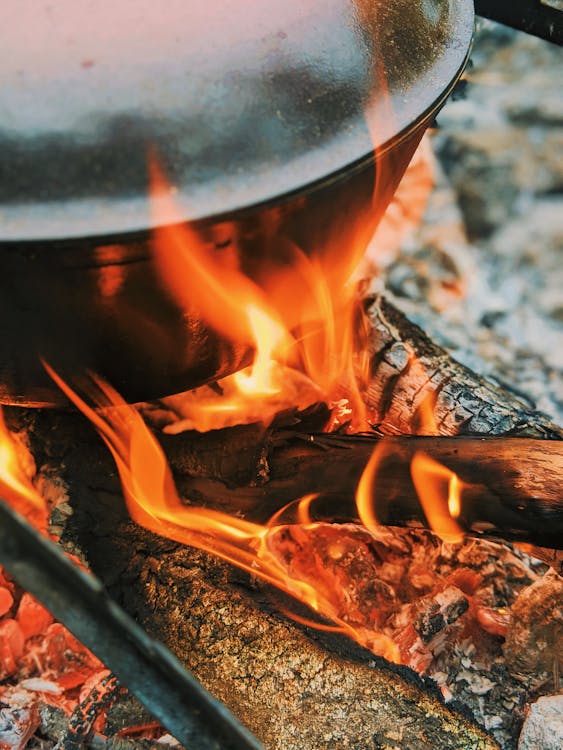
(40, 661)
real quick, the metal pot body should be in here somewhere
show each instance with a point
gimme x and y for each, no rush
(265, 124)
(103, 306)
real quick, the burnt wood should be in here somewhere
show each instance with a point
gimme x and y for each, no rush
(512, 487)
(411, 377)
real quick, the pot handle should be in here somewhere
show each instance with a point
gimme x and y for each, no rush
(542, 18)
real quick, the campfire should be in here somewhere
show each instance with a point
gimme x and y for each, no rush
(339, 521)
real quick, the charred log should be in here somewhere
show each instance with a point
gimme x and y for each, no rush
(512, 487)
(412, 376)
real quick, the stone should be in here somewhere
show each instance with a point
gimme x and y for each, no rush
(543, 727)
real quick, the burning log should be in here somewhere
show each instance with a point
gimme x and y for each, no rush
(412, 378)
(208, 615)
(511, 487)
(294, 688)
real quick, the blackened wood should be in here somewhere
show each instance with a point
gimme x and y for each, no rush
(512, 487)
(412, 376)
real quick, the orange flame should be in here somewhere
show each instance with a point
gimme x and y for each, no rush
(439, 491)
(454, 496)
(261, 550)
(153, 502)
(302, 320)
(15, 486)
(268, 335)
(438, 488)
(365, 501)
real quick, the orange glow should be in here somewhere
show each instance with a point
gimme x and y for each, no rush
(300, 316)
(15, 486)
(365, 492)
(436, 486)
(297, 511)
(153, 502)
(210, 284)
(268, 335)
(454, 496)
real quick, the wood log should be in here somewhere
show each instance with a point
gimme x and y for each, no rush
(295, 688)
(412, 376)
(512, 488)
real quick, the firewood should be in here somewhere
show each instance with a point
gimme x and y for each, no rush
(512, 487)
(412, 376)
(292, 686)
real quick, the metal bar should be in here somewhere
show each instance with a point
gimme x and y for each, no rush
(78, 600)
(542, 18)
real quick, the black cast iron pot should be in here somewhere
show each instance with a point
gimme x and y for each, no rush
(272, 120)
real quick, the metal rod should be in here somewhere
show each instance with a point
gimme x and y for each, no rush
(542, 18)
(78, 600)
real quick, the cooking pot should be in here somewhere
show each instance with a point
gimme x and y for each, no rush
(277, 124)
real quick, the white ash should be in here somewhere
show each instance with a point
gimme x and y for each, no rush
(19, 718)
(468, 663)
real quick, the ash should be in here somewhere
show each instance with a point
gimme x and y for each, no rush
(482, 275)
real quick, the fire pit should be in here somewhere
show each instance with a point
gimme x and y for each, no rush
(277, 498)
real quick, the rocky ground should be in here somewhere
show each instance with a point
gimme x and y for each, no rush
(483, 273)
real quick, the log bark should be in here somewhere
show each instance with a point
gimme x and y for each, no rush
(412, 376)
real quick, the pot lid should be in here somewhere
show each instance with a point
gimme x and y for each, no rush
(241, 101)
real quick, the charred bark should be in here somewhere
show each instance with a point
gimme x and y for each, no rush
(412, 376)
(512, 488)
